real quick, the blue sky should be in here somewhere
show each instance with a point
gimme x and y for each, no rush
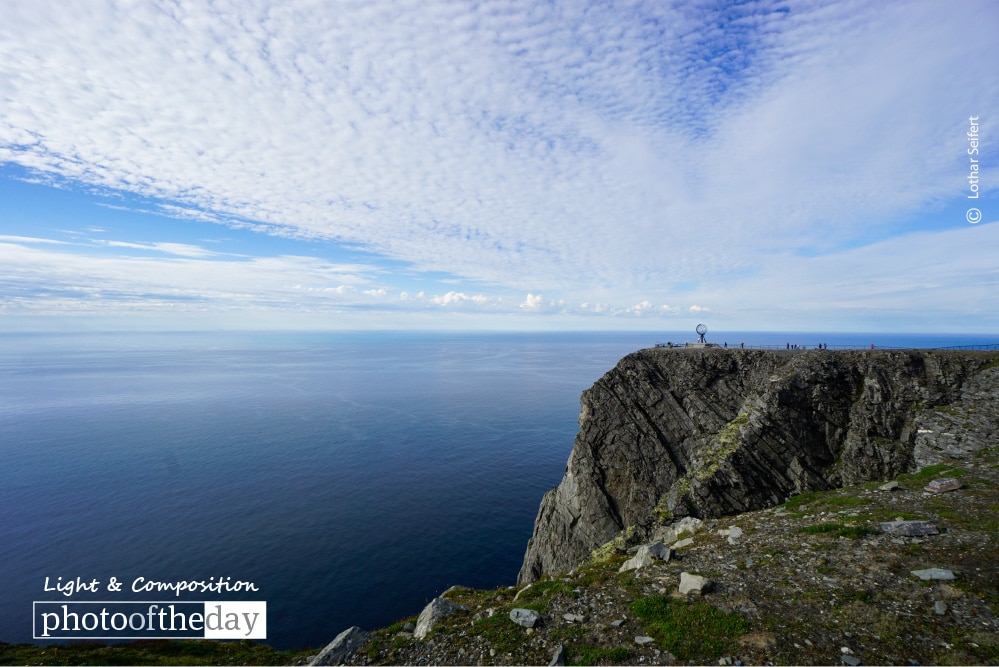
(498, 165)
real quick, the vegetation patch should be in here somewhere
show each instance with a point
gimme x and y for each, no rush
(151, 652)
(929, 473)
(720, 447)
(502, 634)
(862, 595)
(837, 530)
(592, 655)
(619, 544)
(546, 589)
(843, 501)
(691, 631)
(799, 501)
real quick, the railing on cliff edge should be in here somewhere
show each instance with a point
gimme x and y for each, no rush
(800, 348)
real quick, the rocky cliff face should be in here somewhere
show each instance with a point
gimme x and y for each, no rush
(670, 433)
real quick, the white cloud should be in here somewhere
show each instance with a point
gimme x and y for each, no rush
(640, 308)
(453, 298)
(533, 302)
(29, 239)
(181, 249)
(603, 153)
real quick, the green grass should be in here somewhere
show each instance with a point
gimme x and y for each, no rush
(929, 473)
(802, 499)
(502, 634)
(151, 652)
(862, 595)
(569, 634)
(837, 530)
(596, 574)
(547, 589)
(843, 501)
(592, 655)
(693, 631)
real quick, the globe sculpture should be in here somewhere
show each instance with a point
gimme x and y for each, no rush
(701, 330)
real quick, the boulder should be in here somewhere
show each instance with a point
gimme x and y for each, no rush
(693, 583)
(943, 485)
(527, 618)
(437, 609)
(343, 645)
(646, 555)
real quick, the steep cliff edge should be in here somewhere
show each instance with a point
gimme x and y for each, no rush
(670, 433)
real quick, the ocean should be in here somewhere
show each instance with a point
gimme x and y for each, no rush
(351, 477)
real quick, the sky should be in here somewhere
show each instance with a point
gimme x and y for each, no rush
(757, 165)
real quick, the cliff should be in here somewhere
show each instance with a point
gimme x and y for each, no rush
(670, 433)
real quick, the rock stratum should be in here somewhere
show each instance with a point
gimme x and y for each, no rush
(673, 433)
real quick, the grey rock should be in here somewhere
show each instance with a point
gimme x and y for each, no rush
(909, 528)
(686, 525)
(617, 623)
(643, 640)
(527, 618)
(850, 660)
(437, 609)
(708, 433)
(409, 626)
(693, 583)
(574, 618)
(890, 486)
(943, 485)
(686, 542)
(559, 657)
(646, 555)
(939, 607)
(343, 645)
(934, 574)
(733, 533)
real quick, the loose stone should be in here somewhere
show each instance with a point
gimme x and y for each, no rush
(642, 641)
(943, 485)
(909, 528)
(733, 533)
(934, 573)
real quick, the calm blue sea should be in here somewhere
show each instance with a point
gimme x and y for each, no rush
(351, 477)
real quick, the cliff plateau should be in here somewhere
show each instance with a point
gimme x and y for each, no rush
(671, 433)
